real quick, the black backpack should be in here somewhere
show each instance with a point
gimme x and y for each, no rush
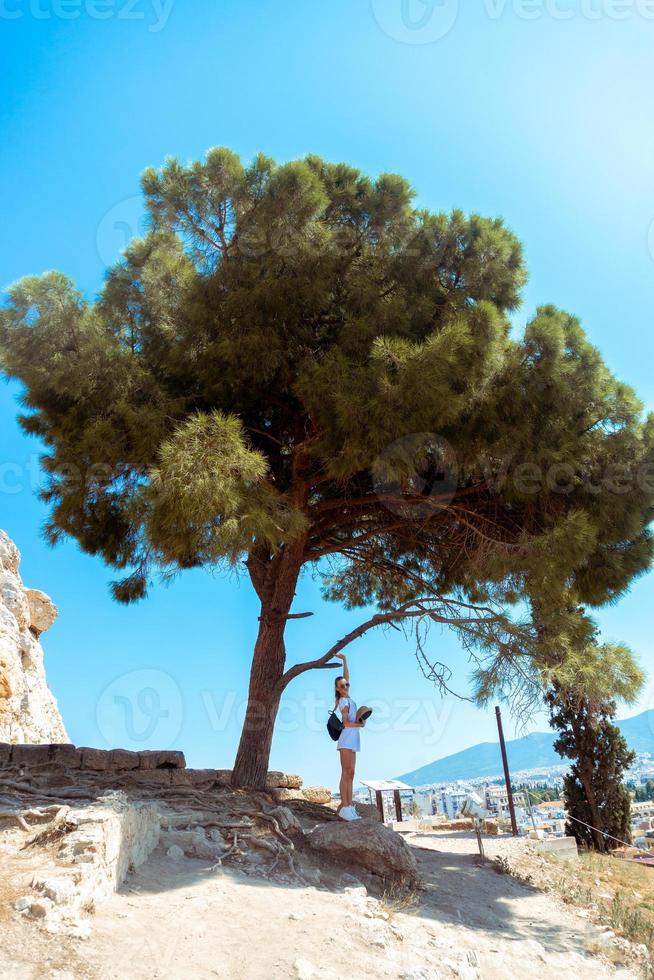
(334, 726)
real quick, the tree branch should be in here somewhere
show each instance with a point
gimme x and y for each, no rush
(415, 608)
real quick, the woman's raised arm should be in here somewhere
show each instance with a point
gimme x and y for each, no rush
(346, 672)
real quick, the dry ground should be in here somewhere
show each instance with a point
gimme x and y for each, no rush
(176, 919)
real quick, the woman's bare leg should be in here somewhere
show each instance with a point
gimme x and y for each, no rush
(348, 759)
(351, 774)
(342, 786)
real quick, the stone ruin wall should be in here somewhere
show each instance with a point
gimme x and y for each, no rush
(28, 710)
(67, 765)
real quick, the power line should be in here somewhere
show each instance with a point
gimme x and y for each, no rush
(590, 826)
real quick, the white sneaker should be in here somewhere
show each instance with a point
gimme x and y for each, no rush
(349, 813)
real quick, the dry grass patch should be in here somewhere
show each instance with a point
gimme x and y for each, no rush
(399, 899)
(619, 892)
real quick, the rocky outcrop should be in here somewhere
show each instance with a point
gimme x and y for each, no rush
(28, 710)
(283, 780)
(317, 794)
(368, 811)
(371, 846)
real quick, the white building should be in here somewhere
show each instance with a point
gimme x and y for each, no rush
(452, 801)
(497, 800)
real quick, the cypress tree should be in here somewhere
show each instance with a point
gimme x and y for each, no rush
(597, 801)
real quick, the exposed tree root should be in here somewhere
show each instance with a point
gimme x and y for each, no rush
(74, 793)
(247, 821)
(268, 818)
(234, 849)
(10, 815)
(54, 814)
(57, 828)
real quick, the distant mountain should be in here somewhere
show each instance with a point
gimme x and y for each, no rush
(534, 751)
(639, 731)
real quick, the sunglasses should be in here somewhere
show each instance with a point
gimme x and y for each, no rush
(344, 684)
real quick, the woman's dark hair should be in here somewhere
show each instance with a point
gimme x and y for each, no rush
(337, 695)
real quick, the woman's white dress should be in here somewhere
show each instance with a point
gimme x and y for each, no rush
(349, 737)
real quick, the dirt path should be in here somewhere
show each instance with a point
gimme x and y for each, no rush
(509, 925)
(175, 919)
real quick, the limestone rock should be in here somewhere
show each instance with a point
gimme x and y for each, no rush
(368, 811)
(317, 794)
(28, 710)
(123, 759)
(40, 908)
(13, 597)
(30, 755)
(43, 611)
(60, 891)
(282, 780)
(312, 876)
(65, 755)
(196, 777)
(23, 902)
(304, 969)
(97, 759)
(371, 846)
(9, 554)
(194, 843)
(285, 818)
(287, 794)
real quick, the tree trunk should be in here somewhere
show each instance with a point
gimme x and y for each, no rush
(581, 725)
(275, 581)
(587, 783)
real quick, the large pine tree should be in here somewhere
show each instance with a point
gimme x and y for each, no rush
(296, 367)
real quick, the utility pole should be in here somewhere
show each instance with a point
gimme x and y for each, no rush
(507, 777)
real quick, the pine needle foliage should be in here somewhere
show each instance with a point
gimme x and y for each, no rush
(297, 364)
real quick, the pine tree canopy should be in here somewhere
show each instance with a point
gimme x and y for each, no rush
(297, 364)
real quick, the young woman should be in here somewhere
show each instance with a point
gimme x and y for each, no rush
(348, 742)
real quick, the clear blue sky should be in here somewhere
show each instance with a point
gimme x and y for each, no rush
(541, 114)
